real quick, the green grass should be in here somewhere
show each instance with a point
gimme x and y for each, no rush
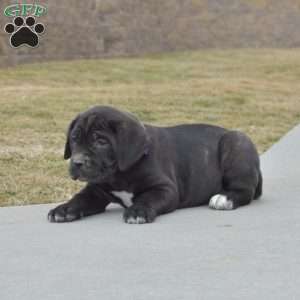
(256, 91)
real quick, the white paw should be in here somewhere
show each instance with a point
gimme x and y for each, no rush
(136, 220)
(220, 202)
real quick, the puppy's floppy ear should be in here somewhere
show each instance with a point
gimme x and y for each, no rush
(68, 152)
(132, 142)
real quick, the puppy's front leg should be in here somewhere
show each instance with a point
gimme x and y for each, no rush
(148, 205)
(90, 200)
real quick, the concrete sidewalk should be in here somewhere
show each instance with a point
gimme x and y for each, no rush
(250, 253)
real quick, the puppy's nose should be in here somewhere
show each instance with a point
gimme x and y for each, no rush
(78, 161)
(78, 164)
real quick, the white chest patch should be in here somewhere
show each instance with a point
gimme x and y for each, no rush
(124, 196)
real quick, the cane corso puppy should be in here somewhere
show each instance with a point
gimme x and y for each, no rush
(153, 170)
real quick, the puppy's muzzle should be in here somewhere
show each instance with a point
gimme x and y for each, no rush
(78, 160)
(79, 165)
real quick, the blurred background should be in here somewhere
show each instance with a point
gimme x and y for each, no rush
(102, 28)
(230, 63)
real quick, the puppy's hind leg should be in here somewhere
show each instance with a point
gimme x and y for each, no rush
(239, 163)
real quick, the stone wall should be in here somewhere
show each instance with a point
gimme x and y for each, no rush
(100, 28)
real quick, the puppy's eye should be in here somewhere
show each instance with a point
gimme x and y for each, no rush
(99, 140)
(102, 142)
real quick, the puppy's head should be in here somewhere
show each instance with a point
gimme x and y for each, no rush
(103, 141)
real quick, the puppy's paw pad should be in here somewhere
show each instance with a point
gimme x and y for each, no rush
(61, 214)
(139, 215)
(220, 202)
(137, 220)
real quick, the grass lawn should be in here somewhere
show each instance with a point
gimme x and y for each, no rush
(256, 91)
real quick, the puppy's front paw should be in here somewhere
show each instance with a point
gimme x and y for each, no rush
(138, 214)
(63, 213)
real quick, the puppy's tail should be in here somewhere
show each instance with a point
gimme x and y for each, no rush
(259, 188)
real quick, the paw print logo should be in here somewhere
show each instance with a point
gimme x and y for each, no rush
(24, 32)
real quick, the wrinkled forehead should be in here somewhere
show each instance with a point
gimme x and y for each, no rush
(100, 120)
(91, 122)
